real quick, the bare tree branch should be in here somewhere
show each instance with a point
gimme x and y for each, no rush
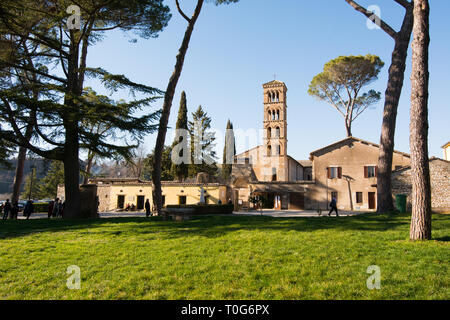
(404, 3)
(181, 12)
(383, 25)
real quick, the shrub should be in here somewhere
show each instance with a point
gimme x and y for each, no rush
(40, 207)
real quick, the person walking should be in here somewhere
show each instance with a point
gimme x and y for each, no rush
(29, 209)
(333, 206)
(50, 209)
(60, 208)
(147, 208)
(6, 209)
(15, 210)
(55, 211)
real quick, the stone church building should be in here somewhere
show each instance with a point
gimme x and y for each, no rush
(346, 170)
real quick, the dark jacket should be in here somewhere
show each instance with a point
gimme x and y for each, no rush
(29, 209)
(333, 203)
(7, 207)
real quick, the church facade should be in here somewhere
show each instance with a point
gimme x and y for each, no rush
(346, 170)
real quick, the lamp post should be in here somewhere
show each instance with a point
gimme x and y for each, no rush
(326, 175)
(31, 181)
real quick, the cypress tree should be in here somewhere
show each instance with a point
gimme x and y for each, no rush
(228, 159)
(180, 171)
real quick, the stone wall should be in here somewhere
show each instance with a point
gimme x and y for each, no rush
(440, 184)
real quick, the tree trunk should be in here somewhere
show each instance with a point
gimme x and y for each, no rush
(348, 128)
(90, 162)
(72, 207)
(393, 92)
(19, 174)
(421, 189)
(168, 99)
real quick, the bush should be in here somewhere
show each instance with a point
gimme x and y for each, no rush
(201, 209)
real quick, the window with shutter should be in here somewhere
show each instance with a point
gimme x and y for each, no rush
(371, 172)
(333, 172)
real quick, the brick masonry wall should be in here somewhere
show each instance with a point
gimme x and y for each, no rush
(440, 184)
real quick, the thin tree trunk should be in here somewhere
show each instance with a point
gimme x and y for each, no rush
(393, 92)
(18, 178)
(348, 129)
(90, 162)
(72, 207)
(168, 99)
(421, 188)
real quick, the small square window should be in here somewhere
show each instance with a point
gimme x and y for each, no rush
(359, 197)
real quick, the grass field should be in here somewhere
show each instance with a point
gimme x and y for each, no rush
(224, 257)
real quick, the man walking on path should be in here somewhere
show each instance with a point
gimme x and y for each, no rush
(333, 206)
(147, 208)
(55, 208)
(6, 209)
(29, 209)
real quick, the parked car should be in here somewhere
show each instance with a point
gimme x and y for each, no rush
(22, 204)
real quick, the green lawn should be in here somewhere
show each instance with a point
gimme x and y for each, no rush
(224, 257)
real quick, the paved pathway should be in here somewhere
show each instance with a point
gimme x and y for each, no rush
(267, 213)
(296, 213)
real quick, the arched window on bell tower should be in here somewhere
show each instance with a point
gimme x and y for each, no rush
(277, 132)
(278, 150)
(278, 115)
(269, 133)
(269, 150)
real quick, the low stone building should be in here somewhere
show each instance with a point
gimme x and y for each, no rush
(118, 194)
(440, 184)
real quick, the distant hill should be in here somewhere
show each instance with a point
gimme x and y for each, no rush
(7, 176)
(42, 166)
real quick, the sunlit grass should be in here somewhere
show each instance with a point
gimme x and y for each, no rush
(224, 257)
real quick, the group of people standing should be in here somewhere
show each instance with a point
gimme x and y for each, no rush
(12, 210)
(56, 208)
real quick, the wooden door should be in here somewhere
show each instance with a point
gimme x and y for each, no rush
(120, 202)
(372, 203)
(297, 201)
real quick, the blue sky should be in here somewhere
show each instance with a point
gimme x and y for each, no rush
(236, 48)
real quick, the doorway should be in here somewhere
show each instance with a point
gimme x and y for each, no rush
(277, 202)
(372, 202)
(296, 201)
(140, 202)
(120, 202)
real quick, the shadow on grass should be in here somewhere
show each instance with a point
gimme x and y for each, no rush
(443, 239)
(207, 226)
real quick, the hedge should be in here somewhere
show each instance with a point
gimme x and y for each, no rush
(205, 208)
(40, 207)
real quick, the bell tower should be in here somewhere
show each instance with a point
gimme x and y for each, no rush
(275, 130)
